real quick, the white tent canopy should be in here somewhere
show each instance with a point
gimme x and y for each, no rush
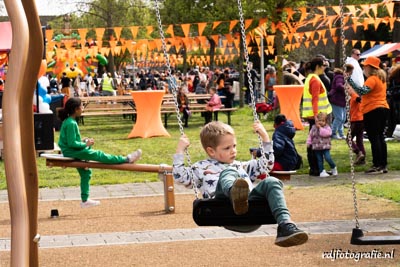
(380, 50)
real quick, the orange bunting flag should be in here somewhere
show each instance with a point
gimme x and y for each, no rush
(170, 30)
(364, 10)
(270, 39)
(201, 27)
(134, 30)
(215, 24)
(365, 23)
(232, 24)
(99, 43)
(271, 50)
(391, 21)
(363, 43)
(113, 43)
(68, 44)
(390, 7)
(215, 38)
(352, 9)
(185, 29)
(377, 22)
(289, 12)
(247, 23)
(117, 31)
(99, 33)
(262, 22)
(303, 12)
(117, 50)
(149, 30)
(336, 9)
(229, 38)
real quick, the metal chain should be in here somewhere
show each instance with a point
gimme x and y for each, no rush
(175, 95)
(349, 136)
(251, 89)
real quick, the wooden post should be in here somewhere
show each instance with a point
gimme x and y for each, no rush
(19, 155)
(169, 192)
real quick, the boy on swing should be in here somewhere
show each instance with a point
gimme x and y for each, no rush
(222, 176)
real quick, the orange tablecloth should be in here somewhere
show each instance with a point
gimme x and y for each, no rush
(148, 116)
(289, 97)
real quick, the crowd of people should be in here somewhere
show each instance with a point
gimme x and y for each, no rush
(372, 87)
(374, 109)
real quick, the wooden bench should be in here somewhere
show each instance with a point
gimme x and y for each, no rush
(164, 172)
(199, 108)
(123, 105)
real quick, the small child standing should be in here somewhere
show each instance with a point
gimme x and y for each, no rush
(222, 176)
(213, 104)
(356, 127)
(319, 138)
(73, 146)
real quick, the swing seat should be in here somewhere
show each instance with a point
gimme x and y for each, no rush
(219, 212)
(358, 238)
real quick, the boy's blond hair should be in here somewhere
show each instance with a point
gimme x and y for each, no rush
(212, 132)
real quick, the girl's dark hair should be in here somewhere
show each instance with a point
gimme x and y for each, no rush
(69, 108)
(311, 66)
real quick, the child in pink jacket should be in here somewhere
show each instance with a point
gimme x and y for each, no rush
(212, 105)
(319, 138)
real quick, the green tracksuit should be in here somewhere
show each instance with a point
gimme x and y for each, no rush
(72, 146)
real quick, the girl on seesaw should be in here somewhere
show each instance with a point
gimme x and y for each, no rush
(73, 146)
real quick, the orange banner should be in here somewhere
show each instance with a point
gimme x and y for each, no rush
(134, 30)
(186, 29)
(99, 33)
(117, 31)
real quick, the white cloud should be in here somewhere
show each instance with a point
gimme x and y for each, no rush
(49, 7)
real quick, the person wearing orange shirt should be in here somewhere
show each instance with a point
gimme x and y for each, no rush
(356, 128)
(375, 110)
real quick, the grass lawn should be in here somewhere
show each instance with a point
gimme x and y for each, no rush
(110, 134)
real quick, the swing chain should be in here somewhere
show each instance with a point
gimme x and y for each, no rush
(349, 136)
(251, 89)
(172, 83)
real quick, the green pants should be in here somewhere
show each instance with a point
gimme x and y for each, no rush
(94, 155)
(269, 189)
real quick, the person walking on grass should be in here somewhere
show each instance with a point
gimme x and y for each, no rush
(73, 146)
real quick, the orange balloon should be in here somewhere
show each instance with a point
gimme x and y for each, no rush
(43, 67)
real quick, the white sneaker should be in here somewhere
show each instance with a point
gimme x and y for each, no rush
(324, 174)
(134, 156)
(90, 203)
(334, 171)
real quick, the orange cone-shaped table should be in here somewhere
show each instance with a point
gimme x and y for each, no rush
(148, 116)
(289, 97)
